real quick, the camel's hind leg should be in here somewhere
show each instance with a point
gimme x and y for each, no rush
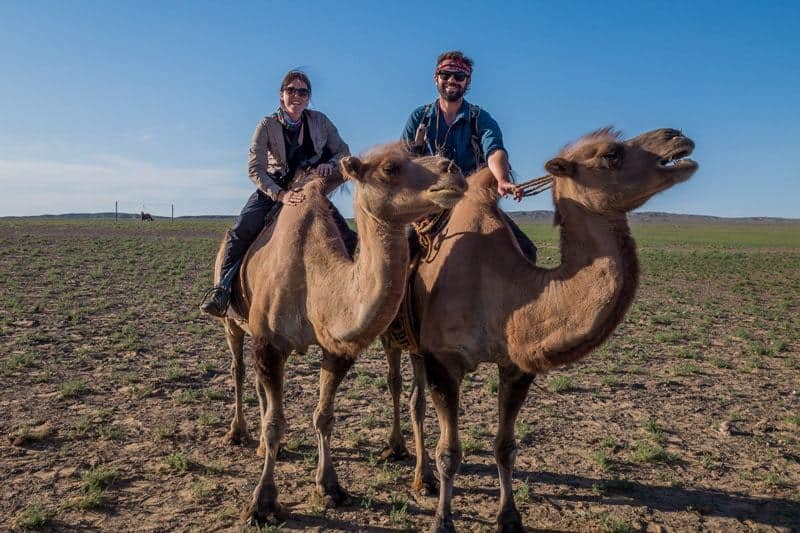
(514, 385)
(269, 364)
(238, 433)
(332, 370)
(424, 480)
(396, 448)
(444, 385)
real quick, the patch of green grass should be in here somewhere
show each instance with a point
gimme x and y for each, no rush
(174, 372)
(165, 431)
(793, 419)
(109, 432)
(215, 395)
(645, 452)
(685, 368)
(561, 384)
(206, 367)
(294, 443)
(73, 388)
(357, 439)
(185, 396)
(80, 427)
(95, 483)
(17, 362)
(34, 516)
(708, 462)
(201, 489)
(398, 510)
(611, 524)
(178, 461)
(523, 494)
(523, 430)
(603, 460)
(610, 381)
(493, 384)
(207, 418)
(652, 428)
(368, 500)
(719, 362)
(771, 479)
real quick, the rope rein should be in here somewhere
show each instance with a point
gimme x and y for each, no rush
(534, 186)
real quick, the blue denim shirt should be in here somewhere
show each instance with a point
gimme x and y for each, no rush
(455, 141)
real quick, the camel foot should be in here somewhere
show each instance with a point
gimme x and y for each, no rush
(261, 451)
(443, 524)
(510, 521)
(334, 496)
(394, 453)
(271, 513)
(427, 485)
(237, 437)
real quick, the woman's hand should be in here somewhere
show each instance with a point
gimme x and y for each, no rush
(325, 169)
(292, 197)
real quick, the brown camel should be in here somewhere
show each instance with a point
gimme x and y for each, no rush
(299, 285)
(478, 299)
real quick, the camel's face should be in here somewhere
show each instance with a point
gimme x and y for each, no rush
(608, 175)
(397, 188)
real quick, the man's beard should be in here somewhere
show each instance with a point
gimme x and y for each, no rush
(454, 96)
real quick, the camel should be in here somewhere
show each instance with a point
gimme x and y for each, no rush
(299, 285)
(478, 299)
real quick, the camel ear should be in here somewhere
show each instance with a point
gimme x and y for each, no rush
(351, 167)
(558, 166)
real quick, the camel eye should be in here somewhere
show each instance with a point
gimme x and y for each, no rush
(390, 168)
(612, 158)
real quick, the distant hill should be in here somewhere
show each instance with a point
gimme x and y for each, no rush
(645, 217)
(648, 217)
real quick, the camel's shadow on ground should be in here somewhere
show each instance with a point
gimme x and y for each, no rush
(765, 511)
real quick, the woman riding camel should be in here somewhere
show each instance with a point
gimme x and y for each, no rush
(291, 138)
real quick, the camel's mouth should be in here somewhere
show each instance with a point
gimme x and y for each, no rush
(678, 159)
(445, 196)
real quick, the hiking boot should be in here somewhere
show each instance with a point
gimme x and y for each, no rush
(216, 301)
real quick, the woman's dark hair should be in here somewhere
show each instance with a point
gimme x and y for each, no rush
(293, 75)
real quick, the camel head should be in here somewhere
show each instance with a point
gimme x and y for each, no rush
(608, 175)
(398, 187)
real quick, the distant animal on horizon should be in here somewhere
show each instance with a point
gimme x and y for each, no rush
(147, 216)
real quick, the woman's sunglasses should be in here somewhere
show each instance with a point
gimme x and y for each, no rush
(297, 91)
(445, 75)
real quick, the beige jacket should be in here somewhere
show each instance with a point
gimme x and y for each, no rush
(268, 151)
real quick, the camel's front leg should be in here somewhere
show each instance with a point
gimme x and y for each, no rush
(514, 385)
(269, 364)
(238, 433)
(424, 480)
(444, 385)
(396, 449)
(332, 370)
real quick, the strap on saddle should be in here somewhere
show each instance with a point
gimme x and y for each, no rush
(404, 330)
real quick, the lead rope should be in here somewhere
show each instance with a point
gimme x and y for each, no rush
(534, 186)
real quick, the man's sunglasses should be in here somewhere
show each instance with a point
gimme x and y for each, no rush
(297, 91)
(445, 75)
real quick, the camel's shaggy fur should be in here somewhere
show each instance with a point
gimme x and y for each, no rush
(479, 300)
(299, 285)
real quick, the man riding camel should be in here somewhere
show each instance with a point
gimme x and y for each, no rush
(462, 132)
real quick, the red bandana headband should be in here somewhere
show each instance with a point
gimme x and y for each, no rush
(454, 65)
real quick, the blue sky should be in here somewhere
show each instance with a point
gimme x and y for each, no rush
(154, 103)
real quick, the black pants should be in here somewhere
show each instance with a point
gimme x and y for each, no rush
(259, 210)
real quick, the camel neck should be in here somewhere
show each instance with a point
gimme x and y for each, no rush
(579, 303)
(378, 277)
